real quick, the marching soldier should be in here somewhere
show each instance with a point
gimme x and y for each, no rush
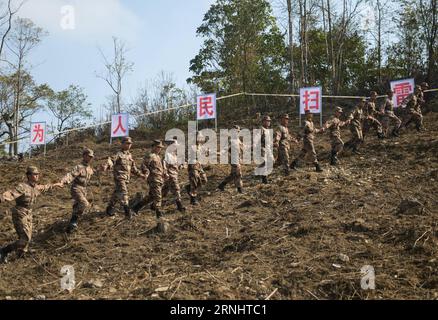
(79, 178)
(389, 116)
(171, 173)
(236, 169)
(334, 125)
(308, 146)
(123, 165)
(25, 195)
(370, 117)
(356, 118)
(197, 176)
(282, 140)
(426, 97)
(413, 109)
(153, 170)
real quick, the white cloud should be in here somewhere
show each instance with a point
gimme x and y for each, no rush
(94, 20)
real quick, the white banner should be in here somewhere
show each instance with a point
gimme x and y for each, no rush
(311, 99)
(37, 133)
(120, 125)
(206, 107)
(402, 89)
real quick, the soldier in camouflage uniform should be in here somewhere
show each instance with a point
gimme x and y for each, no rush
(308, 146)
(25, 196)
(236, 168)
(79, 178)
(282, 140)
(413, 109)
(370, 120)
(171, 173)
(356, 118)
(389, 115)
(153, 170)
(197, 176)
(426, 97)
(123, 165)
(333, 126)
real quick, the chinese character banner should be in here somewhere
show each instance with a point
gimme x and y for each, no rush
(37, 133)
(311, 99)
(120, 125)
(402, 89)
(206, 107)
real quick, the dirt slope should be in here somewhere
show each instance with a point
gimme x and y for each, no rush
(289, 237)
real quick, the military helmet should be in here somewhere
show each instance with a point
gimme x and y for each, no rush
(267, 118)
(157, 143)
(285, 116)
(88, 152)
(307, 111)
(339, 109)
(236, 127)
(32, 170)
(127, 140)
(425, 85)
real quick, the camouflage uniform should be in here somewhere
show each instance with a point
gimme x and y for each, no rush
(413, 111)
(236, 169)
(282, 138)
(389, 116)
(197, 178)
(152, 167)
(25, 196)
(308, 146)
(356, 118)
(123, 165)
(265, 152)
(171, 182)
(334, 125)
(371, 121)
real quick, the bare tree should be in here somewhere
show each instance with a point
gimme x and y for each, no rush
(116, 70)
(6, 19)
(428, 14)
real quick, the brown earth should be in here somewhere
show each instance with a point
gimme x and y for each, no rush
(289, 238)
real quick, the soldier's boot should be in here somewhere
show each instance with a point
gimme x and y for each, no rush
(294, 165)
(110, 211)
(240, 190)
(265, 180)
(355, 151)
(180, 206)
(128, 212)
(138, 206)
(286, 171)
(221, 187)
(194, 201)
(318, 167)
(395, 132)
(381, 135)
(73, 225)
(333, 158)
(158, 212)
(418, 127)
(3, 256)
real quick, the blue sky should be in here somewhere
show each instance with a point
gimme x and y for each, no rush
(160, 35)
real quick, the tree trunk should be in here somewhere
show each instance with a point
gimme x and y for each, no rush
(291, 48)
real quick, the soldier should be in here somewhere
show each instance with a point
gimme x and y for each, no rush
(25, 195)
(153, 170)
(171, 172)
(308, 146)
(413, 109)
(266, 125)
(426, 97)
(282, 140)
(334, 125)
(123, 165)
(79, 178)
(356, 118)
(389, 116)
(236, 169)
(370, 117)
(197, 176)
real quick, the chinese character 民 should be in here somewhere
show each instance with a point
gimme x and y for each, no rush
(206, 106)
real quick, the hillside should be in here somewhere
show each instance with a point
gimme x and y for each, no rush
(290, 238)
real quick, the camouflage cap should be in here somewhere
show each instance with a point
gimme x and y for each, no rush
(425, 85)
(339, 109)
(285, 116)
(363, 100)
(236, 127)
(417, 87)
(32, 170)
(267, 118)
(373, 93)
(307, 112)
(127, 140)
(157, 143)
(88, 152)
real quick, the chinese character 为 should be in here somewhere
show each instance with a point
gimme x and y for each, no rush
(39, 133)
(206, 105)
(311, 100)
(401, 91)
(119, 126)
